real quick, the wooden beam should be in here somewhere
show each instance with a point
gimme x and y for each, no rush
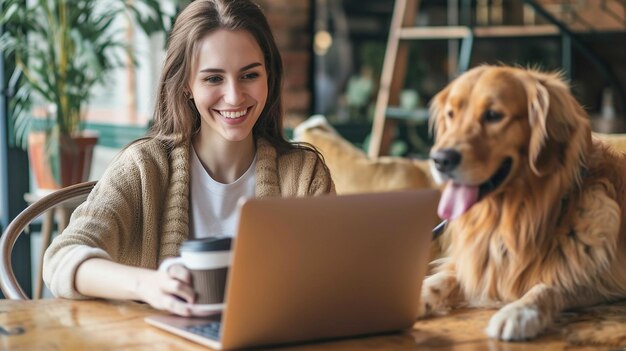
(460, 32)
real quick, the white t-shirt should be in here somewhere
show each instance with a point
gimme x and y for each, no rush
(214, 206)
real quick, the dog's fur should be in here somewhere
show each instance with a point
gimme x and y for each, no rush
(551, 236)
(352, 170)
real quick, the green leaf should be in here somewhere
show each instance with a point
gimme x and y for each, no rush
(10, 11)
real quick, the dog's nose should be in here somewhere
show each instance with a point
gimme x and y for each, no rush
(446, 160)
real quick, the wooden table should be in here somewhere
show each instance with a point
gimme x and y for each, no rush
(54, 324)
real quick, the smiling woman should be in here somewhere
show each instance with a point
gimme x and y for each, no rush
(229, 92)
(217, 139)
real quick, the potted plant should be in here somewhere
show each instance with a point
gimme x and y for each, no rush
(61, 49)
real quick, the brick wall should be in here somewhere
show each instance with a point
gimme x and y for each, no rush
(290, 22)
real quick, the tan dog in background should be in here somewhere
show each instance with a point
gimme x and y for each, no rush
(535, 205)
(351, 169)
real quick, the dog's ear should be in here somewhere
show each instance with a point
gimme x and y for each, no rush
(538, 105)
(437, 123)
(559, 125)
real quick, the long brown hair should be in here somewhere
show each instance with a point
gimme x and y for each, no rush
(176, 118)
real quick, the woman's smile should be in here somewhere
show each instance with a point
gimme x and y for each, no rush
(234, 117)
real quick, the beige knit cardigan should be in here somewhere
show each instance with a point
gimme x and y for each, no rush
(138, 213)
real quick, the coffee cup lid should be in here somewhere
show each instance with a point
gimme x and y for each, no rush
(216, 243)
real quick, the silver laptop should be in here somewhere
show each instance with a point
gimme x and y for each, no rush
(319, 268)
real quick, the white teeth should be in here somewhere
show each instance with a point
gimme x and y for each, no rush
(233, 114)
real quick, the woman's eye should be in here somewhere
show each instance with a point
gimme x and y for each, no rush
(213, 79)
(251, 75)
(492, 116)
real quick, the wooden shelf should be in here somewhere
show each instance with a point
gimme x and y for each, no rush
(417, 115)
(448, 32)
(516, 31)
(460, 32)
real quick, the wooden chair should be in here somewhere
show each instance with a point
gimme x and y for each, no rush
(74, 194)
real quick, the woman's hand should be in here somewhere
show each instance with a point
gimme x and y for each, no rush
(169, 289)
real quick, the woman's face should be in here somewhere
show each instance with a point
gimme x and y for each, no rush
(229, 84)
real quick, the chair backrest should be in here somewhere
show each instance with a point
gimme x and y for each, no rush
(8, 283)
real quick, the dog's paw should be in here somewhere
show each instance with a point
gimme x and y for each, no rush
(424, 309)
(431, 300)
(516, 321)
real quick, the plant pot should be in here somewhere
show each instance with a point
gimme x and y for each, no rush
(75, 156)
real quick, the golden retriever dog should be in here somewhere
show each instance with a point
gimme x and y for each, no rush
(534, 204)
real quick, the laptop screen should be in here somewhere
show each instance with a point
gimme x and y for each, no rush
(327, 267)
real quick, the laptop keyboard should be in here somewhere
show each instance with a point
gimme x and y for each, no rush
(210, 330)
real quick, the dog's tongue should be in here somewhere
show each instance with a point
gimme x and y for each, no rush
(456, 199)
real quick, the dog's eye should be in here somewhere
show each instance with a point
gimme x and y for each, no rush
(450, 114)
(492, 116)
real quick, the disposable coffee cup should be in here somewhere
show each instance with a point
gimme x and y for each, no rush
(208, 260)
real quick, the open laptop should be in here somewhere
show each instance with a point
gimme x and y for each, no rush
(316, 268)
